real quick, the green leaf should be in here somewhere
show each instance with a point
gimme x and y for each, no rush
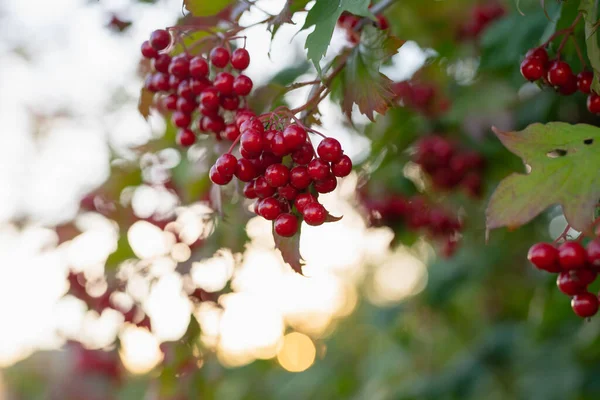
(361, 82)
(565, 165)
(324, 16)
(200, 8)
(123, 252)
(290, 250)
(286, 14)
(590, 10)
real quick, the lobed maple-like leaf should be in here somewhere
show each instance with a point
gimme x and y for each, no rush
(590, 10)
(362, 83)
(564, 163)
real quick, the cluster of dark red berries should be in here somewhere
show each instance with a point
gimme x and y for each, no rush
(577, 267)
(417, 214)
(448, 166)
(481, 17)
(536, 67)
(348, 22)
(280, 170)
(421, 97)
(203, 92)
(134, 315)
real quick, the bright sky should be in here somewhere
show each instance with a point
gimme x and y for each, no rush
(57, 57)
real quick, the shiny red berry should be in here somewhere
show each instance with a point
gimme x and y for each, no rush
(304, 154)
(209, 98)
(231, 132)
(299, 177)
(212, 123)
(219, 57)
(229, 102)
(382, 22)
(184, 90)
(286, 225)
(593, 252)
(538, 53)
(277, 175)
(186, 105)
(294, 136)
(585, 304)
(269, 208)
(570, 87)
(243, 116)
(174, 82)
(287, 192)
(242, 85)
(185, 137)
(314, 214)
(544, 256)
(148, 51)
(248, 190)
(245, 171)
(304, 199)
(180, 119)
(330, 150)
(593, 103)
(558, 73)
(571, 255)
(198, 67)
(170, 102)
(252, 141)
(226, 164)
(217, 178)
(342, 167)
(326, 185)
(262, 188)
(160, 39)
(180, 66)
(161, 81)
(224, 82)
(584, 81)
(252, 123)
(318, 169)
(532, 69)
(161, 63)
(569, 284)
(278, 145)
(240, 59)
(197, 85)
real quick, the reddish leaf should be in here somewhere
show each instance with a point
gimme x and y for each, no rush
(332, 218)
(290, 250)
(145, 102)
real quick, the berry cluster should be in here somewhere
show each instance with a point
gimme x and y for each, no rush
(201, 91)
(537, 67)
(418, 215)
(421, 97)
(286, 188)
(481, 17)
(448, 166)
(577, 267)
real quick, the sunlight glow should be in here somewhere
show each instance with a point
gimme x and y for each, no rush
(139, 351)
(297, 353)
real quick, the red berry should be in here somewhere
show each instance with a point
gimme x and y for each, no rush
(180, 119)
(304, 199)
(212, 123)
(249, 155)
(209, 98)
(299, 177)
(538, 53)
(197, 85)
(593, 252)
(245, 171)
(148, 51)
(185, 137)
(593, 103)
(294, 136)
(278, 145)
(161, 81)
(570, 87)
(180, 66)
(585, 276)
(269, 208)
(382, 22)
(569, 284)
(314, 214)
(226, 164)
(161, 63)
(218, 178)
(262, 188)
(277, 175)
(224, 82)
(242, 85)
(342, 167)
(326, 185)
(229, 102)
(286, 225)
(252, 123)
(318, 169)
(252, 141)
(585, 304)
(170, 102)
(249, 192)
(268, 159)
(219, 57)
(174, 82)
(198, 67)
(231, 132)
(584, 81)
(304, 154)
(330, 150)
(243, 116)
(160, 39)
(544, 256)
(558, 73)
(185, 105)
(184, 90)
(240, 59)
(287, 192)
(571, 255)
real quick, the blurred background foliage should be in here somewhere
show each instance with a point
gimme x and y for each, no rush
(411, 324)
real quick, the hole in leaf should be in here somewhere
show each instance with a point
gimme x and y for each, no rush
(588, 141)
(556, 153)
